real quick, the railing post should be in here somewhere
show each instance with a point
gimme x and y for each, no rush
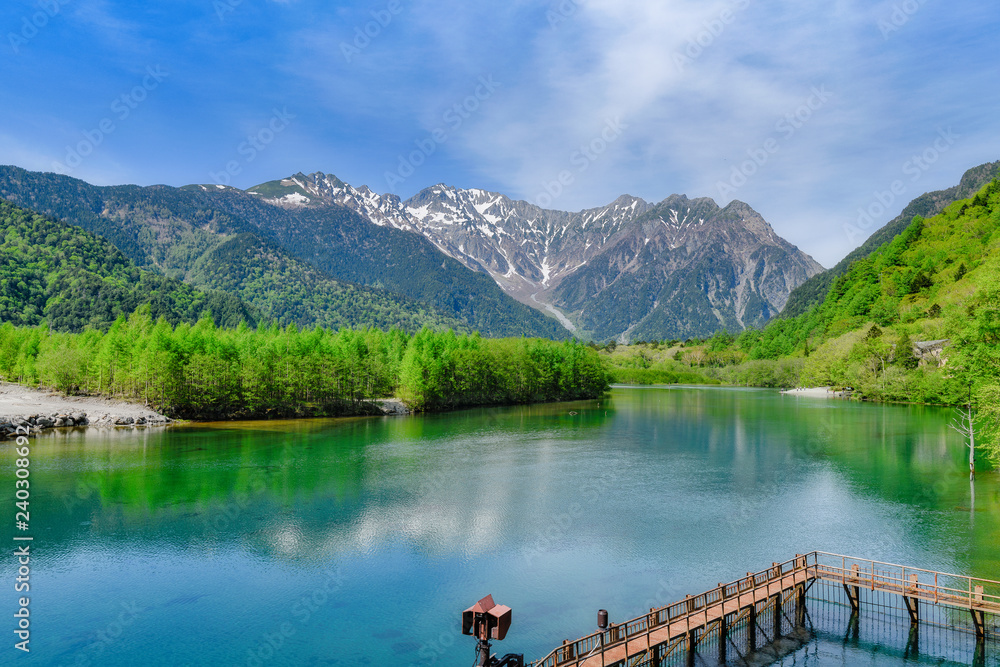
(649, 629)
(567, 652)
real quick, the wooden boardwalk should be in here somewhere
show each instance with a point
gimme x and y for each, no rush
(766, 596)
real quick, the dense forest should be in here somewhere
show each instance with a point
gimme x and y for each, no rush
(68, 278)
(202, 371)
(289, 291)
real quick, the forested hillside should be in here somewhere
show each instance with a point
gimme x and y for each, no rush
(292, 292)
(61, 275)
(925, 281)
(813, 291)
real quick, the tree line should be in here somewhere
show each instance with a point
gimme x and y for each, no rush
(202, 371)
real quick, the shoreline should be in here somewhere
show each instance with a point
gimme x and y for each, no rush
(39, 410)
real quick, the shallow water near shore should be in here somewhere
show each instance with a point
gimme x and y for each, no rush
(359, 541)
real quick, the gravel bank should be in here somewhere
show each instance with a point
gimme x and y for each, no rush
(20, 406)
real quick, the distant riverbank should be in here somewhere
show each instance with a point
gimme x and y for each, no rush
(815, 392)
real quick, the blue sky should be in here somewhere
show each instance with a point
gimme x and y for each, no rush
(807, 111)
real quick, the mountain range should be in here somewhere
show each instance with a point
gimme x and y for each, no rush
(629, 270)
(313, 250)
(328, 267)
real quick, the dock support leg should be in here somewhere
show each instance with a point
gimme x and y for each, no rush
(655, 656)
(776, 625)
(913, 644)
(853, 627)
(979, 658)
(979, 619)
(854, 595)
(723, 638)
(800, 606)
(692, 643)
(752, 630)
(912, 609)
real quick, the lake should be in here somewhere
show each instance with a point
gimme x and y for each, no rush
(360, 541)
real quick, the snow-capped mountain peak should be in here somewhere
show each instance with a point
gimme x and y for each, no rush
(566, 263)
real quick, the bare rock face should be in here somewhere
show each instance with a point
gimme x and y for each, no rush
(630, 270)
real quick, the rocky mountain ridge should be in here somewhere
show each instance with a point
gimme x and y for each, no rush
(682, 267)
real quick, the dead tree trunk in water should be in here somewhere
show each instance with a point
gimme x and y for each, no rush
(965, 424)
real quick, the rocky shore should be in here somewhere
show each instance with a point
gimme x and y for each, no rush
(393, 406)
(35, 424)
(36, 411)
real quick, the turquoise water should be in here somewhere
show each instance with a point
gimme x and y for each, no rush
(360, 541)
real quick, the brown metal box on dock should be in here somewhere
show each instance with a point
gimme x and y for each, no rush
(486, 619)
